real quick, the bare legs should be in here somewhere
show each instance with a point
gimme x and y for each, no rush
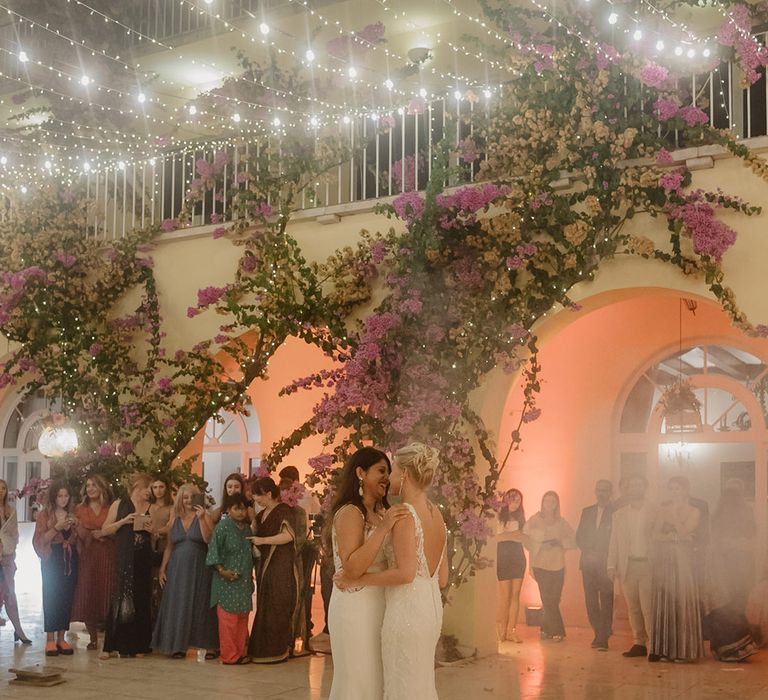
(508, 609)
(11, 604)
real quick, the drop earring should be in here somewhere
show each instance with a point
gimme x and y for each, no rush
(360, 490)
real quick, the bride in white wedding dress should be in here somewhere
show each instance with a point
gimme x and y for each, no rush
(360, 525)
(418, 568)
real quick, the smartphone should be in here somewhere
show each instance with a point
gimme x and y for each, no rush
(198, 499)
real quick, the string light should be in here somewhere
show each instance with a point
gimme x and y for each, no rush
(264, 28)
(23, 57)
(309, 55)
(613, 18)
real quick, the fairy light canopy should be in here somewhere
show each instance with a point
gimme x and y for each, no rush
(103, 82)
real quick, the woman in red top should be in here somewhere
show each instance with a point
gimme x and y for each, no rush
(55, 542)
(93, 594)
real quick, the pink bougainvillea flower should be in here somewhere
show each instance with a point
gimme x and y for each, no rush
(654, 75)
(219, 232)
(169, 225)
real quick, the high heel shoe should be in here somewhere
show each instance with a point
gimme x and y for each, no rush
(23, 640)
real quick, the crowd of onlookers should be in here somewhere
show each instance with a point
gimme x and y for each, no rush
(160, 571)
(686, 576)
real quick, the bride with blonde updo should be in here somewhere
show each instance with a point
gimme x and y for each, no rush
(418, 568)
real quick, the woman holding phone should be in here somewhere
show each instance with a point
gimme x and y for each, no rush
(129, 626)
(186, 618)
(55, 541)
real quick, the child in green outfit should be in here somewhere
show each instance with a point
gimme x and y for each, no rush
(229, 552)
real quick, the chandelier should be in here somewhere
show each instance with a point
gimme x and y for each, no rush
(58, 438)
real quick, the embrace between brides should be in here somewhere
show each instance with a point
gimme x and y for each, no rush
(386, 611)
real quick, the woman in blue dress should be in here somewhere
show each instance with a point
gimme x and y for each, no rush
(185, 618)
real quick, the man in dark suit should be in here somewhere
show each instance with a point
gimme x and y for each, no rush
(593, 536)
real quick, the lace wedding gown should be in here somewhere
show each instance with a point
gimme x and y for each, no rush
(354, 621)
(412, 624)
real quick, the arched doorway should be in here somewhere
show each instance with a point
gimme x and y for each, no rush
(20, 459)
(231, 443)
(725, 442)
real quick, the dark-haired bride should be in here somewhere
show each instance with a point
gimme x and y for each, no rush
(418, 568)
(359, 526)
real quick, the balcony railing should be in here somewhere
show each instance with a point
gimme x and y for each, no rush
(399, 159)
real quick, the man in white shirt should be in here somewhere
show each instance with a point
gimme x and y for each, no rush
(629, 558)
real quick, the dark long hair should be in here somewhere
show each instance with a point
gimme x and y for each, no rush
(234, 476)
(505, 515)
(348, 486)
(53, 492)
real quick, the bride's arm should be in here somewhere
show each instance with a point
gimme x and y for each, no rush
(404, 571)
(356, 552)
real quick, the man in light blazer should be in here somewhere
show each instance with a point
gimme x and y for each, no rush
(593, 537)
(629, 557)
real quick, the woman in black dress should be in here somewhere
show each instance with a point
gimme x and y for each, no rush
(55, 542)
(510, 564)
(129, 627)
(277, 576)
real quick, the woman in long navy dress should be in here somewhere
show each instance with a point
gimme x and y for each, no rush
(185, 618)
(55, 542)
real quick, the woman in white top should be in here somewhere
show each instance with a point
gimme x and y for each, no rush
(360, 523)
(549, 535)
(9, 539)
(418, 568)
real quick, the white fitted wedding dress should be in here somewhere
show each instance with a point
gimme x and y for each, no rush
(412, 623)
(354, 620)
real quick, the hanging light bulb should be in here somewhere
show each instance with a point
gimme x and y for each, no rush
(264, 28)
(352, 72)
(276, 122)
(309, 55)
(422, 93)
(659, 45)
(706, 53)
(388, 84)
(613, 18)
(85, 81)
(678, 50)
(637, 34)
(141, 97)
(58, 439)
(192, 110)
(236, 117)
(457, 94)
(690, 53)
(23, 56)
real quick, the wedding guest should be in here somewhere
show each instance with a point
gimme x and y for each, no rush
(510, 564)
(676, 627)
(731, 565)
(129, 626)
(629, 559)
(305, 552)
(229, 553)
(277, 576)
(55, 541)
(160, 511)
(93, 594)
(757, 611)
(593, 537)
(185, 618)
(234, 483)
(9, 540)
(549, 536)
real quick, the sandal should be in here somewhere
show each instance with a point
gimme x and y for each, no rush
(92, 646)
(243, 660)
(210, 655)
(64, 648)
(178, 655)
(51, 649)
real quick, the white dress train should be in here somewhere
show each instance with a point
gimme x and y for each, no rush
(354, 622)
(411, 629)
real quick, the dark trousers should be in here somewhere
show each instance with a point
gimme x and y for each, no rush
(326, 586)
(551, 590)
(598, 596)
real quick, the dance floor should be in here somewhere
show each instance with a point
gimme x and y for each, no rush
(534, 669)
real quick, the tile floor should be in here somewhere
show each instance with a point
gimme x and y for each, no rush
(534, 669)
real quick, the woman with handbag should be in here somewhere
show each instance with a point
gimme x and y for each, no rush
(129, 627)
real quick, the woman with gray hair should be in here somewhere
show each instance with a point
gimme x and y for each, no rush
(186, 618)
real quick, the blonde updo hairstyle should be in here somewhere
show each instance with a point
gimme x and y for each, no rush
(419, 461)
